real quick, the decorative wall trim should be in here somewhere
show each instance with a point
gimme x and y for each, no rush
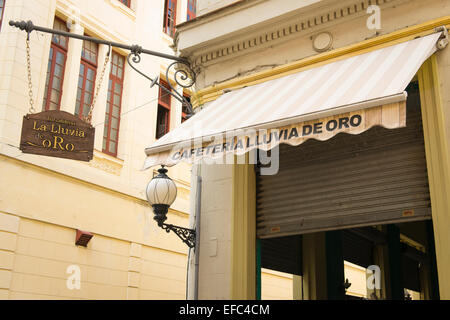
(102, 162)
(130, 12)
(296, 26)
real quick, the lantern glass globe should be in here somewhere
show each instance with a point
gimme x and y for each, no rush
(161, 190)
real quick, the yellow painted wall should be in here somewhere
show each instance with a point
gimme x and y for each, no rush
(34, 258)
(108, 20)
(276, 285)
(43, 200)
(36, 193)
(356, 275)
(129, 257)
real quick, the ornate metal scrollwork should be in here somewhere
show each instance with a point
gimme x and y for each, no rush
(135, 57)
(186, 235)
(183, 75)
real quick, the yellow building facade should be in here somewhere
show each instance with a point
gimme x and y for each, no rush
(44, 200)
(231, 45)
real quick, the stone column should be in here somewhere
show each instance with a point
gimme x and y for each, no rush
(297, 287)
(434, 76)
(215, 235)
(314, 266)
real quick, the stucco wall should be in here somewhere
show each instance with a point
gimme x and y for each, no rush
(35, 257)
(44, 200)
(114, 22)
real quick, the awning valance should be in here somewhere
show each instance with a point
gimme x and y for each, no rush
(349, 95)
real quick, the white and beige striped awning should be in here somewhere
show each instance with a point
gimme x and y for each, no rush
(349, 95)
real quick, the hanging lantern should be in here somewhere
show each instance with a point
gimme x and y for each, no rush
(161, 193)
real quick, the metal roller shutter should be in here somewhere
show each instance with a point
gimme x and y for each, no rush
(377, 177)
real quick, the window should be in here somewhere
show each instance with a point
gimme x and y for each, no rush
(191, 9)
(55, 69)
(2, 8)
(163, 117)
(184, 108)
(126, 2)
(170, 15)
(86, 78)
(114, 105)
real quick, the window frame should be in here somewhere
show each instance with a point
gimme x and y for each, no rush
(190, 15)
(166, 24)
(88, 65)
(110, 108)
(1, 15)
(127, 4)
(55, 48)
(165, 105)
(184, 114)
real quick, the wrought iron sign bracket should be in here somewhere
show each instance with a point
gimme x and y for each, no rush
(186, 235)
(183, 74)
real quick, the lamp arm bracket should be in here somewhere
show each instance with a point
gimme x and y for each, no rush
(185, 234)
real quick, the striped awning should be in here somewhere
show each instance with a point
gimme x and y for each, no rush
(350, 95)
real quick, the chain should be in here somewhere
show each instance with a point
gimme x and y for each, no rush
(88, 118)
(30, 83)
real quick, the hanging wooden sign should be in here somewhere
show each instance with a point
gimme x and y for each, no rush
(57, 134)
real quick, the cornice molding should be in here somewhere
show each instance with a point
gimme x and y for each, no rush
(295, 26)
(106, 163)
(212, 92)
